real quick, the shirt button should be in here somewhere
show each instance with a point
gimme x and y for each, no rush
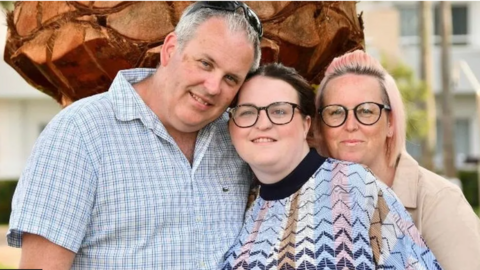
(199, 219)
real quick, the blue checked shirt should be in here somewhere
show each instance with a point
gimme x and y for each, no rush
(106, 181)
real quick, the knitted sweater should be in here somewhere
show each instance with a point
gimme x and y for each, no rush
(328, 214)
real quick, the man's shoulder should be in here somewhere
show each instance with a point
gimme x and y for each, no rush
(84, 113)
(221, 126)
(222, 121)
(103, 104)
(96, 105)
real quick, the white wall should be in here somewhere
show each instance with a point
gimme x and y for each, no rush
(9, 138)
(20, 125)
(381, 28)
(465, 107)
(474, 22)
(475, 135)
(471, 55)
(23, 110)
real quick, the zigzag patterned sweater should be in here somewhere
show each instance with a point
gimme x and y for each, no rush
(328, 214)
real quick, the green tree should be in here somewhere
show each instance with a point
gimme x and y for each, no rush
(6, 5)
(414, 95)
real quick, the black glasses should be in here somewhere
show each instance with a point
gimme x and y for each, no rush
(367, 113)
(232, 6)
(279, 113)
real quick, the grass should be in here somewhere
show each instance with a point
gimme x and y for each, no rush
(477, 210)
(5, 267)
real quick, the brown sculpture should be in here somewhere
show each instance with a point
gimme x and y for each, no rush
(71, 50)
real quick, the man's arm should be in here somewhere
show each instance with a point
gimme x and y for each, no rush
(58, 177)
(38, 252)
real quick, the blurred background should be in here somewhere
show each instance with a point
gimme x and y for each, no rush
(437, 72)
(438, 77)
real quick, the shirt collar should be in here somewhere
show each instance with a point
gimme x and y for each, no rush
(405, 182)
(295, 180)
(127, 104)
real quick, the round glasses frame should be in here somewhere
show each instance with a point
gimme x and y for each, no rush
(354, 109)
(231, 112)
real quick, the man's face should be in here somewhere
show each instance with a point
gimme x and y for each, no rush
(203, 78)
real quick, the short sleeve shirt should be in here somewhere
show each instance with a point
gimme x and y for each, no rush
(106, 181)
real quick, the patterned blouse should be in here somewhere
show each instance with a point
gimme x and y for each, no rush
(328, 214)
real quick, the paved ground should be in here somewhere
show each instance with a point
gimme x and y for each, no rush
(8, 256)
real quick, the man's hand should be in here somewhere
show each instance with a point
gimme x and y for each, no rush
(38, 252)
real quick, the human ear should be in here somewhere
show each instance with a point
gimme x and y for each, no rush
(168, 48)
(307, 122)
(390, 128)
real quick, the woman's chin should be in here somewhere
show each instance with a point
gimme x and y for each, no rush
(352, 157)
(262, 162)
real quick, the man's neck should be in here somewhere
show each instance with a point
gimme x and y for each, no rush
(185, 141)
(144, 90)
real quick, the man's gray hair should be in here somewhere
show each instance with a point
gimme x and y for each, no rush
(236, 22)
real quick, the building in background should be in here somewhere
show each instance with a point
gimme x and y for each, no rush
(24, 112)
(391, 28)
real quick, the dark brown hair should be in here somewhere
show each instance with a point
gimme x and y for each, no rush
(306, 96)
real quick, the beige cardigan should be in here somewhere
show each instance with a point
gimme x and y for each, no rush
(441, 213)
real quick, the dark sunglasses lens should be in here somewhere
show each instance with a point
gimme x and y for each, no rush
(254, 21)
(225, 5)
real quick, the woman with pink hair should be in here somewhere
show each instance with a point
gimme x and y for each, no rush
(361, 118)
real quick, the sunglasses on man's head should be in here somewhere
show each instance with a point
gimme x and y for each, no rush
(232, 6)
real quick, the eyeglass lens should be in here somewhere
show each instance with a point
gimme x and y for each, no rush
(279, 113)
(366, 113)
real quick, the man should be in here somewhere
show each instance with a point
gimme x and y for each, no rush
(144, 176)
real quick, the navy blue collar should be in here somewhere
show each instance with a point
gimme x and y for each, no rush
(295, 180)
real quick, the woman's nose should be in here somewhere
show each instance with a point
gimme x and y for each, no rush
(351, 123)
(263, 121)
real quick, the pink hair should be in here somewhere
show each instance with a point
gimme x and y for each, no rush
(360, 63)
